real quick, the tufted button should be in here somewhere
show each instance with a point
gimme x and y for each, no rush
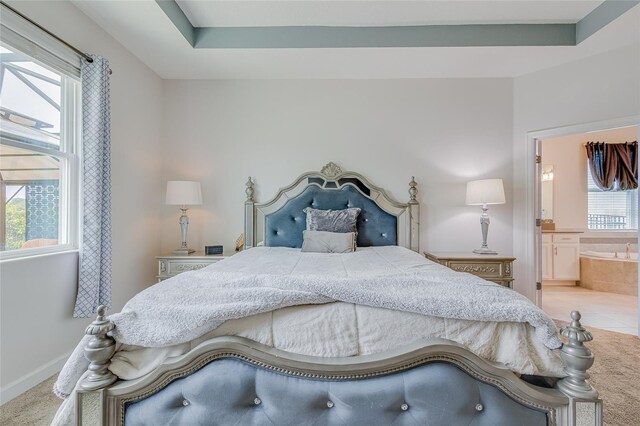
(257, 401)
(479, 407)
(383, 235)
(404, 407)
(366, 220)
(330, 404)
(185, 402)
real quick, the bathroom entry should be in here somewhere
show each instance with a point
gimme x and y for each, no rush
(587, 199)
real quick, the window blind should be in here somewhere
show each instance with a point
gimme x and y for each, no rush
(611, 209)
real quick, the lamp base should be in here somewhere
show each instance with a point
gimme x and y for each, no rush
(485, 250)
(184, 251)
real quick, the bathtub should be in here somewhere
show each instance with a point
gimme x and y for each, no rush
(609, 272)
(609, 255)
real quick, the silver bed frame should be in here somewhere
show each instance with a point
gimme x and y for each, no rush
(101, 398)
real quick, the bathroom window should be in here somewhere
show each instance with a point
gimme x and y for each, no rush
(611, 210)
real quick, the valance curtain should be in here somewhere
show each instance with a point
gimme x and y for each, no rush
(627, 175)
(94, 276)
(603, 164)
(614, 167)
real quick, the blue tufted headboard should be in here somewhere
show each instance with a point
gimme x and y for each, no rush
(376, 227)
(382, 221)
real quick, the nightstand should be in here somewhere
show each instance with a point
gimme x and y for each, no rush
(174, 264)
(492, 267)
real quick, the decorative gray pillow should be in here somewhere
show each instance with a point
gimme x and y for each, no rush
(328, 242)
(332, 220)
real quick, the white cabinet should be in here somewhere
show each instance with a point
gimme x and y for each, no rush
(566, 261)
(561, 257)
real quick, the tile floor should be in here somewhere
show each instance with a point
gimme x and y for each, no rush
(608, 311)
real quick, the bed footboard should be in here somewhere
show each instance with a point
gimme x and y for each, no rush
(233, 391)
(234, 380)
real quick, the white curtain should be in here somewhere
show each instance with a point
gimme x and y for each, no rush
(94, 277)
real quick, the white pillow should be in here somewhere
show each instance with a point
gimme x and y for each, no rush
(328, 242)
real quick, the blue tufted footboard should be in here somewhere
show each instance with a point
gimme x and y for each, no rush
(229, 391)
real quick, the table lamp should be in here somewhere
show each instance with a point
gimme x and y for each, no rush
(482, 193)
(183, 193)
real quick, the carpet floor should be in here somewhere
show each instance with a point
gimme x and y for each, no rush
(615, 373)
(35, 407)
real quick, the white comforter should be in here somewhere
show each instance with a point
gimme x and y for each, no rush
(385, 293)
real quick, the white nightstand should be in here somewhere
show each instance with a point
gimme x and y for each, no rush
(173, 264)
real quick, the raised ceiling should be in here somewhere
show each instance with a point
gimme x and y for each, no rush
(152, 34)
(381, 13)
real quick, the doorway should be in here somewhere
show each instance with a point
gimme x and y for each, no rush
(587, 238)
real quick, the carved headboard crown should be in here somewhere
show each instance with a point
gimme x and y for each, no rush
(331, 170)
(382, 221)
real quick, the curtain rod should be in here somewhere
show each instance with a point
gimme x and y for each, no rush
(75, 49)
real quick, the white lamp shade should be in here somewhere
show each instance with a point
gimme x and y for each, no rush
(485, 191)
(183, 193)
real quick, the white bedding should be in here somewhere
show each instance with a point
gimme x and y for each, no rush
(346, 329)
(341, 329)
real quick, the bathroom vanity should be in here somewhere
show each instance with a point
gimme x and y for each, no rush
(561, 255)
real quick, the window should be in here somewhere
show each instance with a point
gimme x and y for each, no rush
(38, 156)
(611, 210)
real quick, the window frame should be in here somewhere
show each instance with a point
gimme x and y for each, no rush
(70, 154)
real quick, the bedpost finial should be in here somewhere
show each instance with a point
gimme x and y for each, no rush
(413, 190)
(575, 332)
(101, 311)
(99, 351)
(577, 360)
(249, 191)
(100, 325)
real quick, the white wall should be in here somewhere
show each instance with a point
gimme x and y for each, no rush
(445, 132)
(598, 88)
(568, 157)
(37, 294)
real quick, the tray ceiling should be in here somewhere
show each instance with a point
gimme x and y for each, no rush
(229, 50)
(381, 13)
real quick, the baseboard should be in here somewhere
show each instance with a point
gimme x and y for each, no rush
(26, 382)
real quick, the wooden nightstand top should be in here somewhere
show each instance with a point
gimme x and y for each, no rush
(199, 255)
(460, 255)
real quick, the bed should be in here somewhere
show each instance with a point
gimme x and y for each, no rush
(378, 336)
